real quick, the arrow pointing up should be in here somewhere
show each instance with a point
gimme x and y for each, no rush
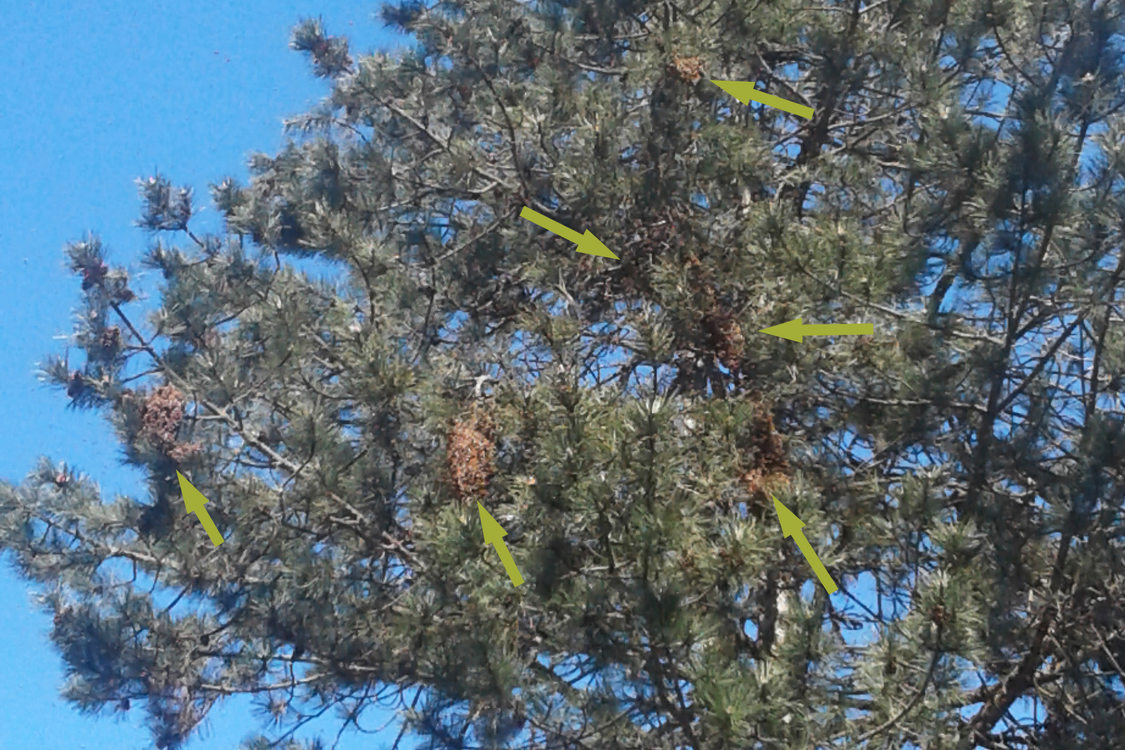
(494, 535)
(790, 524)
(195, 502)
(791, 527)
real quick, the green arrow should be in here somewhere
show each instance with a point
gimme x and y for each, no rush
(794, 329)
(494, 534)
(194, 502)
(744, 92)
(587, 243)
(791, 526)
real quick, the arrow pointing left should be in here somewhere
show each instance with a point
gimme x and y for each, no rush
(194, 502)
(797, 329)
(745, 92)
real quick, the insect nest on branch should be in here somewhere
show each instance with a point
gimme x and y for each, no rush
(724, 336)
(687, 69)
(769, 471)
(161, 415)
(470, 454)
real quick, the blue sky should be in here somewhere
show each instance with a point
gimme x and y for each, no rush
(96, 95)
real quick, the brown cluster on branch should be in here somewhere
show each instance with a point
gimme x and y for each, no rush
(114, 283)
(470, 454)
(686, 69)
(724, 336)
(769, 469)
(161, 415)
(660, 233)
(650, 236)
(940, 615)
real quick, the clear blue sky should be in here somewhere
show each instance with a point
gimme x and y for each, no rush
(96, 94)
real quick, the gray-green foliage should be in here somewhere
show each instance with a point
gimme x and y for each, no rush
(960, 472)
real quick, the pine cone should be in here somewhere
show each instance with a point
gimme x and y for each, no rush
(75, 385)
(93, 276)
(109, 340)
(939, 614)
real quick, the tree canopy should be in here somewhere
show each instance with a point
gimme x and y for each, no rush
(960, 472)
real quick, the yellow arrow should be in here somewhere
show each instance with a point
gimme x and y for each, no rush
(494, 534)
(791, 526)
(194, 502)
(587, 243)
(744, 92)
(794, 329)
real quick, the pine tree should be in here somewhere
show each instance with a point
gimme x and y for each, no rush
(959, 186)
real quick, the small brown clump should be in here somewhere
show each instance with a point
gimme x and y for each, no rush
(939, 615)
(110, 340)
(725, 336)
(75, 385)
(470, 453)
(771, 468)
(687, 69)
(659, 233)
(180, 452)
(161, 415)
